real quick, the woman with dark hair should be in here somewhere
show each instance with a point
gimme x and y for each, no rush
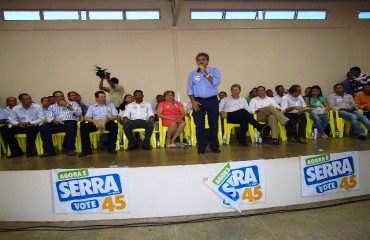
(126, 100)
(172, 114)
(320, 106)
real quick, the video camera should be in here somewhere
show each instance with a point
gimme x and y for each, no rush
(100, 72)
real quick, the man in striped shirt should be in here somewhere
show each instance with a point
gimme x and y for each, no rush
(61, 117)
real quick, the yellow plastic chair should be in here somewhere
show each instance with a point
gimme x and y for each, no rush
(142, 136)
(310, 124)
(228, 128)
(193, 129)
(252, 131)
(95, 137)
(163, 132)
(344, 125)
(2, 144)
(23, 143)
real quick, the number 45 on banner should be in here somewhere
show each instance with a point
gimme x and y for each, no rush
(118, 203)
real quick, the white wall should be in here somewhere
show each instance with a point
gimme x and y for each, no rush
(40, 57)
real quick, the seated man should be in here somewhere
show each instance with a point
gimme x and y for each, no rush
(235, 110)
(24, 119)
(293, 106)
(99, 116)
(61, 117)
(11, 102)
(267, 110)
(81, 104)
(45, 103)
(138, 114)
(360, 79)
(363, 100)
(347, 108)
(279, 89)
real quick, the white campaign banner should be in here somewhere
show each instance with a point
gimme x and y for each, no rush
(239, 182)
(330, 173)
(97, 190)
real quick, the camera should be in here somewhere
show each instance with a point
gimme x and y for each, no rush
(100, 72)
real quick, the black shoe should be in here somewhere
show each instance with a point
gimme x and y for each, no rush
(201, 151)
(47, 155)
(84, 154)
(275, 141)
(16, 155)
(146, 147)
(113, 152)
(362, 137)
(243, 144)
(302, 140)
(292, 139)
(71, 153)
(262, 127)
(131, 148)
(216, 150)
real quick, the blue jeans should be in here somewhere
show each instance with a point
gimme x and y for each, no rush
(48, 129)
(320, 121)
(355, 118)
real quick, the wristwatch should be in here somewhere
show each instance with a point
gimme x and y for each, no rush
(208, 75)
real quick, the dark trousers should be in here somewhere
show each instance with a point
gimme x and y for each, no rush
(208, 106)
(367, 114)
(9, 137)
(139, 123)
(86, 128)
(48, 129)
(290, 127)
(242, 117)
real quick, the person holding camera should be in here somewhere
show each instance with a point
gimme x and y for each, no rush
(115, 90)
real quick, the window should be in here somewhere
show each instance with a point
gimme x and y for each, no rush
(142, 15)
(105, 15)
(240, 15)
(22, 15)
(364, 15)
(61, 15)
(206, 15)
(259, 14)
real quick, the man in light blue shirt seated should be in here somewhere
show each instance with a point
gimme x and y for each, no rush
(23, 119)
(99, 116)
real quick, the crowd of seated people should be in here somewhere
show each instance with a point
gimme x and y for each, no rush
(55, 114)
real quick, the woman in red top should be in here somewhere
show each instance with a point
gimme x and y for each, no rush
(172, 114)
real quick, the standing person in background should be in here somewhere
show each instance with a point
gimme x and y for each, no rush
(81, 104)
(360, 80)
(202, 91)
(115, 90)
(252, 94)
(320, 109)
(158, 99)
(348, 84)
(279, 89)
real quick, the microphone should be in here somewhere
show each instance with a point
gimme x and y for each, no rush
(198, 70)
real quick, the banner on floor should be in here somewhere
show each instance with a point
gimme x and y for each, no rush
(97, 190)
(239, 182)
(330, 173)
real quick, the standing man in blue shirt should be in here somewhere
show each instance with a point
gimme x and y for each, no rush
(23, 119)
(202, 91)
(99, 116)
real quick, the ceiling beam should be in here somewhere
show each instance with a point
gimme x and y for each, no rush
(176, 12)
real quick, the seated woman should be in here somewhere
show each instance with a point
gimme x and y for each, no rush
(172, 114)
(126, 100)
(319, 113)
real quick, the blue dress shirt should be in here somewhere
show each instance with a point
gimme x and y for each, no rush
(199, 86)
(97, 111)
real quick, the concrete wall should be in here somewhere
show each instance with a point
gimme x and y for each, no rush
(40, 57)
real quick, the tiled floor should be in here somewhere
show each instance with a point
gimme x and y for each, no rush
(349, 221)
(181, 156)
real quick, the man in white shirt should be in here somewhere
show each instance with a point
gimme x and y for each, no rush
(235, 109)
(99, 116)
(347, 108)
(279, 89)
(267, 110)
(294, 106)
(24, 119)
(138, 114)
(62, 117)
